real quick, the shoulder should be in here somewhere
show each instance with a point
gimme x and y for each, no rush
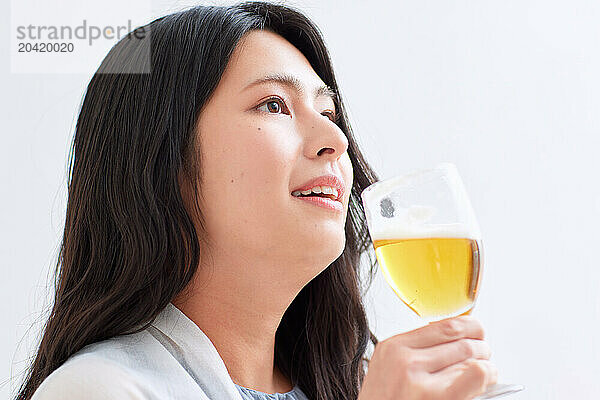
(91, 377)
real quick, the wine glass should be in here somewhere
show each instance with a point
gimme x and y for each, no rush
(428, 245)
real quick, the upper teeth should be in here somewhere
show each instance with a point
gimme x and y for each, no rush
(317, 189)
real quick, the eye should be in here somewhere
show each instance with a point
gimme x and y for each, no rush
(274, 105)
(331, 115)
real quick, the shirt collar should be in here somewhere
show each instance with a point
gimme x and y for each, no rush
(197, 354)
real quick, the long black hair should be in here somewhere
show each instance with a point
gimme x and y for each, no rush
(130, 246)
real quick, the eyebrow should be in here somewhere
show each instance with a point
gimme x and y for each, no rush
(294, 83)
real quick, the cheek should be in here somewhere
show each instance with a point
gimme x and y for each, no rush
(347, 172)
(246, 175)
(347, 169)
(258, 161)
(245, 151)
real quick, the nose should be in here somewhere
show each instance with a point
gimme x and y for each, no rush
(324, 139)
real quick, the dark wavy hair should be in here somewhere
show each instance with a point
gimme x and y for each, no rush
(130, 246)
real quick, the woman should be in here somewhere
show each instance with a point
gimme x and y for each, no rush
(214, 230)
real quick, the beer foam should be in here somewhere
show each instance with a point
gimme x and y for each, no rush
(401, 231)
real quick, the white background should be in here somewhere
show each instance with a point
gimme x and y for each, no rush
(507, 90)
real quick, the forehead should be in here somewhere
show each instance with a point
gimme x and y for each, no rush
(264, 54)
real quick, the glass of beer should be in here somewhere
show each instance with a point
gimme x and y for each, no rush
(428, 244)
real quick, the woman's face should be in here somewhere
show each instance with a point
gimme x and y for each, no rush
(259, 142)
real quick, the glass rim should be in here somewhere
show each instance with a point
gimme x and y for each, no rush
(446, 172)
(396, 180)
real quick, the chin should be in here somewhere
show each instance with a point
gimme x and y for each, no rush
(331, 249)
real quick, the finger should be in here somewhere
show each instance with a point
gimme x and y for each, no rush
(444, 331)
(446, 354)
(468, 378)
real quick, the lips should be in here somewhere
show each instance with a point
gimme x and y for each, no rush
(323, 202)
(325, 180)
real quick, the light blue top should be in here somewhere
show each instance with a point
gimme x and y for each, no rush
(251, 394)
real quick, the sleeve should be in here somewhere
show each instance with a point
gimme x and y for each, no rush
(90, 378)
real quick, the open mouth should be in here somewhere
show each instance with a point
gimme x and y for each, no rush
(324, 200)
(323, 195)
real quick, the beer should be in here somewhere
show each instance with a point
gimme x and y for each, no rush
(436, 277)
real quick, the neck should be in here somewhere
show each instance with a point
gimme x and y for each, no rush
(239, 307)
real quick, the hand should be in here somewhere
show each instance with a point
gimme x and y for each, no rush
(446, 360)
